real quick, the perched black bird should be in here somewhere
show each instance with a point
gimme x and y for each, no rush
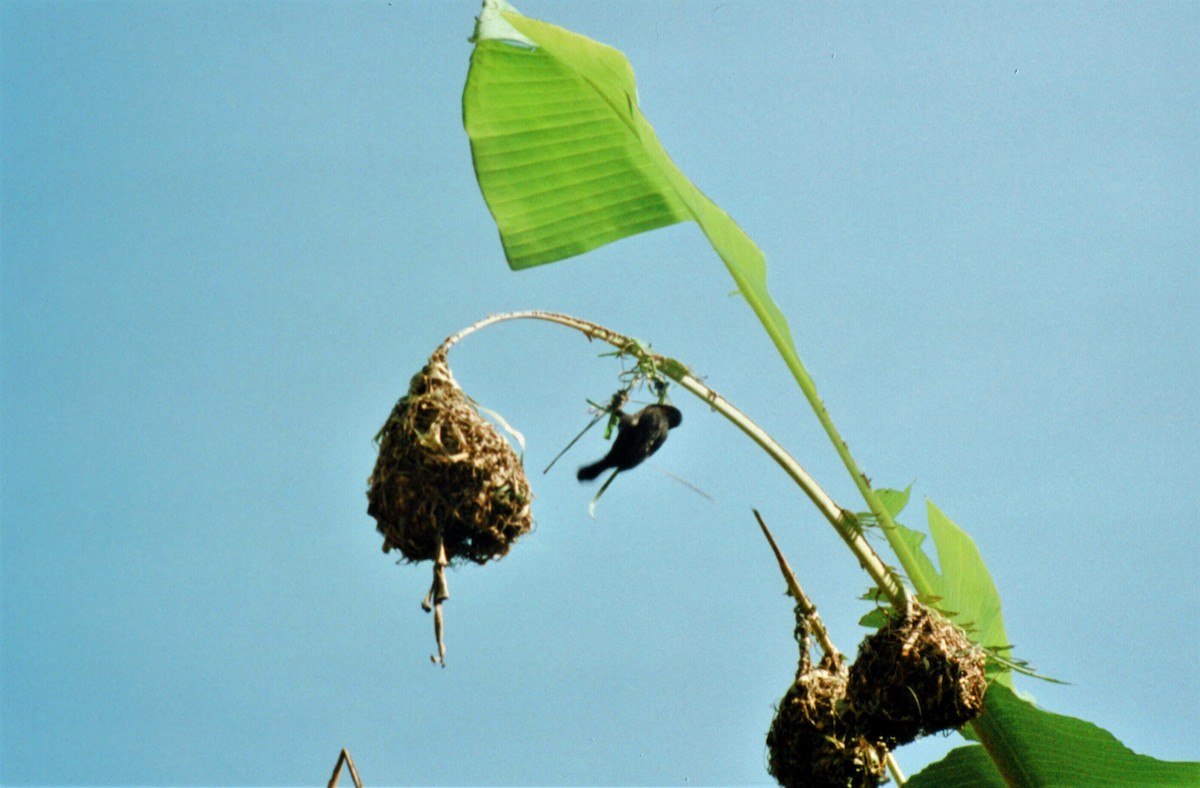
(638, 436)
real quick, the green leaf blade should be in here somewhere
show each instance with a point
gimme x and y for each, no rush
(966, 584)
(1032, 746)
(963, 767)
(894, 500)
(562, 173)
(624, 181)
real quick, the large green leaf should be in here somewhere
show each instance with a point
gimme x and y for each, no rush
(965, 585)
(960, 585)
(555, 149)
(1039, 747)
(963, 767)
(567, 162)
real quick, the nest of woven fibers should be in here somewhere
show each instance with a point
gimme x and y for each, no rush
(917, 675)
(444, 472)
(814, 739)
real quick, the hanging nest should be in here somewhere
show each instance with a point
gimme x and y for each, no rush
(444, 470)
(814, 740)
(917, 675)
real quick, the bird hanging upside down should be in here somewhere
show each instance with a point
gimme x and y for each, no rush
(638, 436)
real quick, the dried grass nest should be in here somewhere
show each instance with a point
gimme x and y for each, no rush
(444, 472)
(917, 675)
(813, 739)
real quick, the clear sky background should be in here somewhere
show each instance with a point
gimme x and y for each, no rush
(233, 231)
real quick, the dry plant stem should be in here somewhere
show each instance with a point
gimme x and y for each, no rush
(815, 624)
(345, 758)
(439, 592)
(841, 519)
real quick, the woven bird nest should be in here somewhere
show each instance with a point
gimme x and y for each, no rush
(917, 675)
(444, 472)
(814, 740)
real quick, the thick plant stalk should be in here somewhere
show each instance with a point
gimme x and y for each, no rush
(841, 519)
(882, 515)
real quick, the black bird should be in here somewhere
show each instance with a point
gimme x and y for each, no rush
(638, 436)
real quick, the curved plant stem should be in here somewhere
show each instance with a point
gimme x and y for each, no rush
(841, 519)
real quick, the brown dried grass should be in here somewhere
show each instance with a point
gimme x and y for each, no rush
(917, 675)
(444, 469)
(814, 739)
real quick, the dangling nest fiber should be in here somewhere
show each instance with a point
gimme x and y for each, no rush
(917, 675)
(444, 469)
(814, 740)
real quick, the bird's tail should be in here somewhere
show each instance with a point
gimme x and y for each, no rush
(589, 472)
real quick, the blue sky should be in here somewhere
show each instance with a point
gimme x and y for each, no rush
(231, 232)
